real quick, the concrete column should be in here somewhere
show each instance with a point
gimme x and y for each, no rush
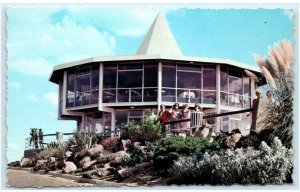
(100, 87)
(218, 98)
(159, 90)
(64, 92)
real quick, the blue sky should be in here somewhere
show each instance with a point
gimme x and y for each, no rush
(39, 38)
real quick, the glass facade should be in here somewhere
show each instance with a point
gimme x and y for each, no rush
(83, 86)
(188, 83)
(130, 82)
(235, 88)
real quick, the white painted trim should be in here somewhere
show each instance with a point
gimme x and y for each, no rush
(218, 98)
(154, 57)
(100, 86)
(159, 81)
(129, 104)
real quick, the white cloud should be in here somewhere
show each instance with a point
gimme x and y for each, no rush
(37, 66)
(52, 97)
(12, 146)
(32, 97)
(14, 85)
(35, 43)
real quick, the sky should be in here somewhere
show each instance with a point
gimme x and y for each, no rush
(41, 37)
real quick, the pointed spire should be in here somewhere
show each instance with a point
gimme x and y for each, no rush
(159, 40)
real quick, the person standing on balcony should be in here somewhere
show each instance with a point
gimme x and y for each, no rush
(185, 114)
(163, 116)
(176, 115)
(255, 104)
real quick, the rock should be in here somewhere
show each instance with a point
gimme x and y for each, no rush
(237, 137)
(52, 159)
(88, 164)
(97, 149)
(98, 166)
(118, 161)
(69, 167)
(119, 156)
(102, 172)
(144, 165)
(136, 144)
(68, 154)
(40, 162)
(26, 162)
(155, 182)
(85, 160)
(105, 158)
(232, 140)
(14, 164)
(106, 166)
(126, 144)
(125, 172)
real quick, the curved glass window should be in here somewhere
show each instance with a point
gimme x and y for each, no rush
(169, 75)
(82, 86)
(209, 77)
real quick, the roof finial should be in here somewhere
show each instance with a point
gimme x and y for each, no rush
(159, 39)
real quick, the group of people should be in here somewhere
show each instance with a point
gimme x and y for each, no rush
(175, 114)
(36, 138)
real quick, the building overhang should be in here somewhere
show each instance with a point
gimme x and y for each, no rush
(58, 69)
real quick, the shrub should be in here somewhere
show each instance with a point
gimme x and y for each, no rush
(82, 140)
(149, 131)
(169, 149)
(138, 155)
(51, 151)
(268, 165)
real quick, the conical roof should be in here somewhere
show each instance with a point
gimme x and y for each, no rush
(159, 40)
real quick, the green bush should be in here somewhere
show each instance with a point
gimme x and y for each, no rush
(82, 140)
(169, 149)
(51, 151)
(147, 131)
(139, 155)
(268, 165)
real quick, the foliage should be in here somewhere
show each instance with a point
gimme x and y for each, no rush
(51, 151)
(280, 113)
(111, 144)
(139, 154)
(268, 165)
(81, 141)
(169, 149)
(148, 131)
(278, 71)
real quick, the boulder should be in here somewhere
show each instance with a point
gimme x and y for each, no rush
(96, 149)
(102, 172)
(69, 167)
(26, 162)
(119, 156)
(52, 159)
(126, 144)
(89, 164)
(68, 154)
(105, 158)
(85, 160)
(41, 162)
(143, 166)
(98, 166)
(136, 144)
(124, 172)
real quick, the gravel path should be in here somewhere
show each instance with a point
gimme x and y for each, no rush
(21, 179)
